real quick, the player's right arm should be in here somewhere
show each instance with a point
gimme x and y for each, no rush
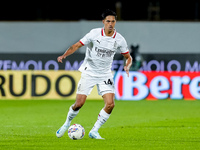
(70, 51)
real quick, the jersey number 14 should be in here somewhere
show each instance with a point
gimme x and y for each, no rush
(108, 82)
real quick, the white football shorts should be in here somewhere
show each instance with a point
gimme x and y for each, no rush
(104, 84)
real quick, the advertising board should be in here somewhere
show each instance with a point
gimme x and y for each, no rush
(152, 62)
(62, 85)
(41, 85)
(157, 85)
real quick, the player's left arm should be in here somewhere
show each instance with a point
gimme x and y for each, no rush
(128, 63)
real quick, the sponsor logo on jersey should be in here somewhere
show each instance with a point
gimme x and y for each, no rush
(104, 52)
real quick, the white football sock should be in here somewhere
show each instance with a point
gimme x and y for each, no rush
(102, 118)
(71, 114)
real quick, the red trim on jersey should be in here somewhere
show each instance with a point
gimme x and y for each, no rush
(102, 32)
(125, 53)
(81, 43)
(115, 34)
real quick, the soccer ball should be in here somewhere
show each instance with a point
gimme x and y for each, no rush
(76, 132)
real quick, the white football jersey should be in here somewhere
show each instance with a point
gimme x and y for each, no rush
(100, 51)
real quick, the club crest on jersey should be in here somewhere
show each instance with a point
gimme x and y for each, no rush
(115, 45)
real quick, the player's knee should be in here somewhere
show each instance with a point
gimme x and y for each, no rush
(80, 100)
(110, 106)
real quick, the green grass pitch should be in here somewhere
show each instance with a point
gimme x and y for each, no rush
(162, 124)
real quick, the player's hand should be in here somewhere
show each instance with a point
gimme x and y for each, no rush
(127, 70)
(60, 58)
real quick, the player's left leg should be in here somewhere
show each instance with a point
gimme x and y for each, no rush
(109, 100)
(106, 89)
(103, 115)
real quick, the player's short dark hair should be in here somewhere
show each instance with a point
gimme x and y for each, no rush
(108, 12)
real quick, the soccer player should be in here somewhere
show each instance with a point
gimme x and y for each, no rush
(102, 44)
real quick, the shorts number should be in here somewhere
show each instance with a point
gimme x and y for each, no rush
(108, 82)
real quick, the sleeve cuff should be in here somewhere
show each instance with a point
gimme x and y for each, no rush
(81, 42)
(125, 53)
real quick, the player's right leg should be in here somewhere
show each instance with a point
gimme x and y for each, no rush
(73, 111)
(84, 88)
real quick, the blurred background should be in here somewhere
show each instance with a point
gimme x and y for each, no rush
(163, 36)
(144, 10)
